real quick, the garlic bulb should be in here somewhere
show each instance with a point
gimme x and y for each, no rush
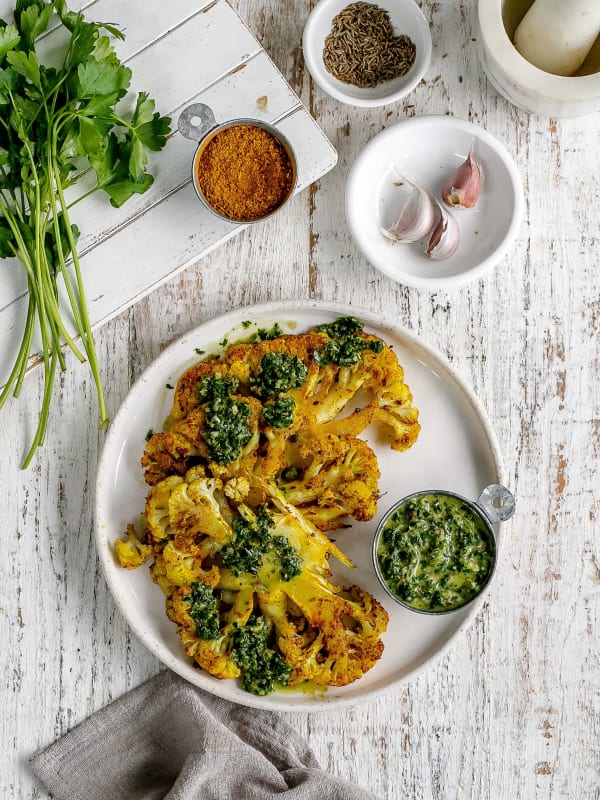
(464, 187)
(557, 35)
(416, 217)
(445, 236)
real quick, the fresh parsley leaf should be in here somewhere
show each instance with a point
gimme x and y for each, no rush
(137, 160)
(9, 39)
(26, 64)
(105, 78)
(90, 137)
(121, 191)
(150, 128)
(8, 82)
(33, 21)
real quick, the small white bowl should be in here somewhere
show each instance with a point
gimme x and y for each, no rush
(427, 150)
(406, 18)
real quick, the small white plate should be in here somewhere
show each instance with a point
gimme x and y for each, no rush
(407, 18)
(456, 450)
(427, 150)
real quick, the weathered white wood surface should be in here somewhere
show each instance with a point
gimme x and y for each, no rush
(513, 710)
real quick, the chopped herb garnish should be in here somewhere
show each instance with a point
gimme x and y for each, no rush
(198, 351)
(246, 323)
(278, 372)
(168, 386)
(226, 430)
(203, 610)
(344, 326)
(224, 342)
(267, 334)
(346, 346)
(280, 412)
(289, 558)
(261, 666)
(149, 434)
(252, 540)
(290, 473)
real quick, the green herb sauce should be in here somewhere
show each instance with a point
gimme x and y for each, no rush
(252, 540)
(345, 347)
(268, 334)
(262, 667)
(435, 552)
(203, 610)
(279, 413)
(291, 473)
(227, 429)
(278, 372)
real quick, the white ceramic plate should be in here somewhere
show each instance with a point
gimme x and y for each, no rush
(427, 150)
(456, 450)
(406, 17)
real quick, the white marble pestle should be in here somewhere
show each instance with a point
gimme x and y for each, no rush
(557, 35)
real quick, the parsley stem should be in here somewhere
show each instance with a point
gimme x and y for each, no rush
(40, 433)
(20, 366)
(59, 247)
(92, 191)
(88, 340)
(25, 349)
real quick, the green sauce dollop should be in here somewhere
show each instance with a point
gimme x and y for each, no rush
(435, 552)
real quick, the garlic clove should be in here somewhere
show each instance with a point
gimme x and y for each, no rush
(464, 187)
(445, 236)
(416, 217)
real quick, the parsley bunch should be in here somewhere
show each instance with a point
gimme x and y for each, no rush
(55, 123)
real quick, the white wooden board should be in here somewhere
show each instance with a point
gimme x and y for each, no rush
(184, 52)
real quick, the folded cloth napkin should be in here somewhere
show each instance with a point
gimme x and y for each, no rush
(169, 740)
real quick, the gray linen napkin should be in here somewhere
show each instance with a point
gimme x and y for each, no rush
(169, 740)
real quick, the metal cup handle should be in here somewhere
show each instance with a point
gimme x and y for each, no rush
(497, 503)
(196, 121)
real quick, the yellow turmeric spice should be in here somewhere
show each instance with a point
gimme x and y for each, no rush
(244, 172)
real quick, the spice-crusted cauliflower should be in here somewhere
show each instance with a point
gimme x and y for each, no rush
(293, 393)
(250, 590)
(260, 457)
(132, 552)
(334, 477)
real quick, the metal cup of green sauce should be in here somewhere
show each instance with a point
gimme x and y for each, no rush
(434, 551)
(197, 122)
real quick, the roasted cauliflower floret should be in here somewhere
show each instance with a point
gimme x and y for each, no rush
(194, 609)
(380, 376)
(131, 552)
(338, 631)
(167, 454)
(200, 507)
(182, 561)
(157, 512)
(176, 507)
(332, 477)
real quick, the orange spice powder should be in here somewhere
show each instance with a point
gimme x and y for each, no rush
(244, 173)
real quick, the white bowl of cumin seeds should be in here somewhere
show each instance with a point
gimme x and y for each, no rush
(367, 54)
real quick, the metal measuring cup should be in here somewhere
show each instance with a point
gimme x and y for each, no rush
(495, 504)
(197, 122)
